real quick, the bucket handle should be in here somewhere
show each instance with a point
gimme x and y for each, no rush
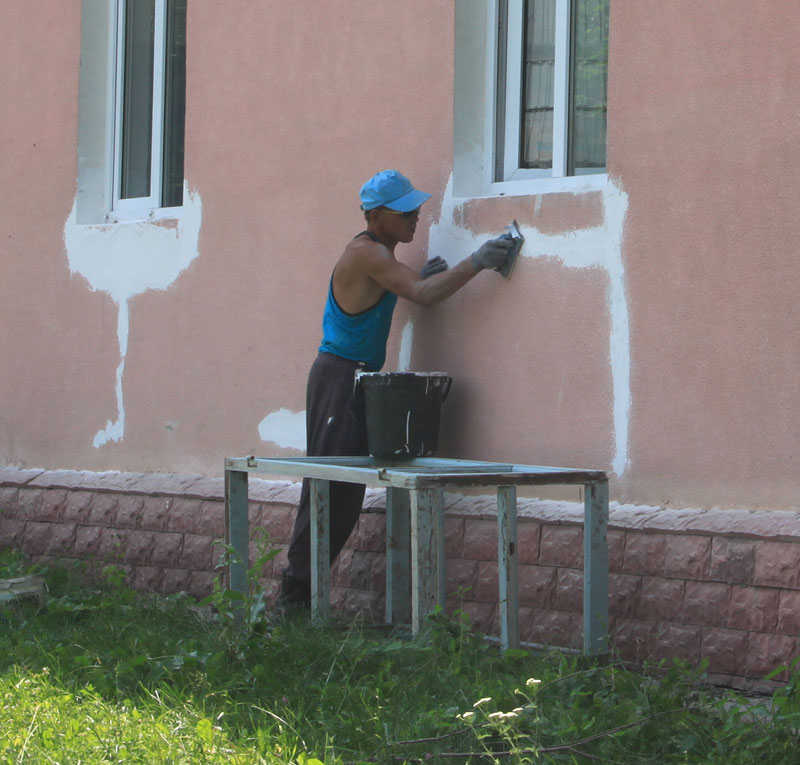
(448, 381)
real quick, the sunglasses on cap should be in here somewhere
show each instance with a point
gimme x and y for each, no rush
(409, 214)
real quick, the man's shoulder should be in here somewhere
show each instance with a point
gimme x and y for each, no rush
(365, 247)
(354, 279)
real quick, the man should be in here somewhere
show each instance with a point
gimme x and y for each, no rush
(364, 287)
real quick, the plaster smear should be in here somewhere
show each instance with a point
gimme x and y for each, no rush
(126, 259)
(285, 428)
(584, 248)
(406, 344)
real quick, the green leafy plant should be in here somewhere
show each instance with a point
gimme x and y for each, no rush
(13, 563)
(241, 615)
(105, 674)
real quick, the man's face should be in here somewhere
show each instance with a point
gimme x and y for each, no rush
(400, 226)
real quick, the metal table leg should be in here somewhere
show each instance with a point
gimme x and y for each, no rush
(427, 567)
(398, 556)
(237, 529)
(320, 549)
(595, 569)
(441, 550)
(507, 557)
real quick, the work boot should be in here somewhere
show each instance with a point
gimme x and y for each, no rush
(295, 593)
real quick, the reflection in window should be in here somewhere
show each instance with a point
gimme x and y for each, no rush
(538, 79)
(552, 75)
(137, 98)
(588, 86)
(174, 105)
(151, 104)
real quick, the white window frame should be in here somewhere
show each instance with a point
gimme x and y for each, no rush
(149, 207)
(517, 180)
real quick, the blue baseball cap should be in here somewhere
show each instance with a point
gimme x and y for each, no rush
(393, 190)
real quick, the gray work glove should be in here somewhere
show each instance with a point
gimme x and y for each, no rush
(492, 254)
(433, 266)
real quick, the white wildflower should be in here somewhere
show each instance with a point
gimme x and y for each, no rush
(482, 701)
(502, 715)
(531, 681)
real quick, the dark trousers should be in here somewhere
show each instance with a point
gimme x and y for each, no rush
(336, 426)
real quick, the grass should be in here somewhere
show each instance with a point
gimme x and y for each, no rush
(102, 674)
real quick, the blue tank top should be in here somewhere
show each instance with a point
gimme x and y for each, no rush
(358, 336)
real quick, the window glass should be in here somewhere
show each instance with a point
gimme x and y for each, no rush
(589, 80)
(137, 99)
(551, 98)
(538, 83)
(151, 105)
(174, 104)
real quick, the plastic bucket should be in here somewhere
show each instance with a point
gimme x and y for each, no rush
(403, 412)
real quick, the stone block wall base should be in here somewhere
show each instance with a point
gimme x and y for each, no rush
(720, 585)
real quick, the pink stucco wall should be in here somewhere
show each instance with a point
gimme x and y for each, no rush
(285, 120)
(703, 131)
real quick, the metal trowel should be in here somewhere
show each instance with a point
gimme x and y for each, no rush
(514, 234)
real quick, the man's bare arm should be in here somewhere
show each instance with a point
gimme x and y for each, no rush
(407, 283)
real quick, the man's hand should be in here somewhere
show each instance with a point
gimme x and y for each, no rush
(492, 254)
(433, 266)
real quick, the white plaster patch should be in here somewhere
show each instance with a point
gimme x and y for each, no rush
(584, 248)
(285, 428)
(126, 259)
(406, 344)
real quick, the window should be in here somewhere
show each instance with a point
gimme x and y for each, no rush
(149, 105)
(551, 75)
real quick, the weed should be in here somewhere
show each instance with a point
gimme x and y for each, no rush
(104, 674)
